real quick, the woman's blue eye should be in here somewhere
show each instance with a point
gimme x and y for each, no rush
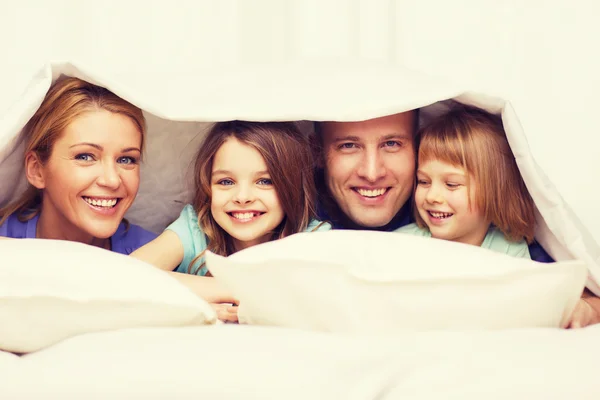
(84, 157)
(127, 160)
(265, 181)
(225, 182)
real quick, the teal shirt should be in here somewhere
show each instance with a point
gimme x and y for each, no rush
(194, 241)
(494, 240)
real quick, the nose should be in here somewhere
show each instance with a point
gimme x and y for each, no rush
(372, 167)
(434, 194)
(244, 194)
(109, 176)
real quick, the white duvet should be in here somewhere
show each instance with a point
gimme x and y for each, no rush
(235, 362)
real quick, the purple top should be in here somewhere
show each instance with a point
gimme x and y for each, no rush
(123, 241)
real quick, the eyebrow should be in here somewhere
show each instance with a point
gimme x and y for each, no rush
(384, 138)
(347, 138)
(226, 172)
(452, 174)
(97, 146)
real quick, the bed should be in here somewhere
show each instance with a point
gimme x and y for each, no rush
(101, 340)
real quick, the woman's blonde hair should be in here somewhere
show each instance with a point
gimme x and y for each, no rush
(289, 161)
(475, 140)
(67, 99)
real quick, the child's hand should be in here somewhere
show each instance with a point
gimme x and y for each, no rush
(583, 315)
(226, 312)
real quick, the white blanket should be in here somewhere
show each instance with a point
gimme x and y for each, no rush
(179, 106)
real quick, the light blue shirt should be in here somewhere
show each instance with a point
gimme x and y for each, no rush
(494, 240)
(194, 240)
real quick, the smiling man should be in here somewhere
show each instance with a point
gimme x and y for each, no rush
(366, 171)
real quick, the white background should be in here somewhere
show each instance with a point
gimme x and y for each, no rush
(541, 55)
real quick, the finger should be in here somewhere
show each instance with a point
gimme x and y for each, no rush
(225, 315)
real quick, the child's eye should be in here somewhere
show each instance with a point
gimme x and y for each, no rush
(452, 185)
(265, 181)
(127, 160)
(225, 182)
(422, 182)
(84, 157)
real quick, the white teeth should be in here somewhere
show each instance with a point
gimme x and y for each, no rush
(440, 214)
(371, 193)
(243, 216)
(101, 203)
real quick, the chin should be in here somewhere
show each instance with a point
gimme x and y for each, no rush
(103, 232)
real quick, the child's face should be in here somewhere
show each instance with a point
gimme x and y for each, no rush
(243, 202)
(442, 200)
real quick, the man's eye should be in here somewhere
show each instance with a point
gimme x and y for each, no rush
(84, 157)
(392, 143)
(347, 146)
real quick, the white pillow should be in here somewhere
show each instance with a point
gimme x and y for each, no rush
(380, 282)
(51, 290)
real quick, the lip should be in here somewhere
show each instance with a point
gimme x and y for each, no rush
(257, 215)
(371, 200)
(107, 212)
(437, 221)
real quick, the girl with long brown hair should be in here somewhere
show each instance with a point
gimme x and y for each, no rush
(253, 184)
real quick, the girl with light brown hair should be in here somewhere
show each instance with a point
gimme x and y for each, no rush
(468, 187)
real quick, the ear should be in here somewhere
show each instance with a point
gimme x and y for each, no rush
(317, 151)
(34, 170)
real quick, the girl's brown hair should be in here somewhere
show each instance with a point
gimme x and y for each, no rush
(67, 99)
(475, 140)
(289, 162)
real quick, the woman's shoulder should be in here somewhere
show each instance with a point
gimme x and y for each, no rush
(130, 237)
(14, 228)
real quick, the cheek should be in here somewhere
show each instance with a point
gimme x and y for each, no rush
(460, 201)
(420, 193)
(131, 180)
(402, 164)
(218, 198)
(272, 200)
(340, 166)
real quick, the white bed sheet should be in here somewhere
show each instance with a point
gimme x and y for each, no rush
(241, 362)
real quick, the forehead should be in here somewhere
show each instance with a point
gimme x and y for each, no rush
(437, 167)
(401, 124)
(234, 154)
(103, 128)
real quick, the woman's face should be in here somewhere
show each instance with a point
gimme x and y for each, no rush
(91, 177)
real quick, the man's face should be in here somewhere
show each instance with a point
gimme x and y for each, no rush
(370, 166)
